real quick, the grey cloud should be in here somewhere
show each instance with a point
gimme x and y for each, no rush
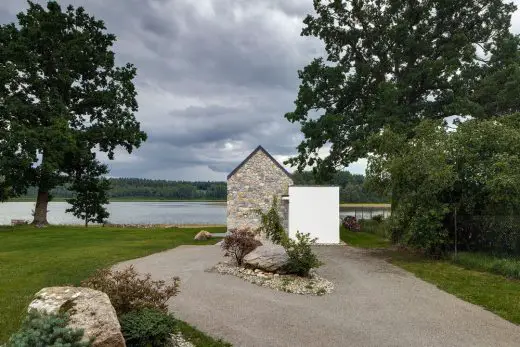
(215, 78)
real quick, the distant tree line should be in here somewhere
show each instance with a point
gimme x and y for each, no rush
(153, 189)
(351, 188)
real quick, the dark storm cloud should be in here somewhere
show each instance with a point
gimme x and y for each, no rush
(214, 79)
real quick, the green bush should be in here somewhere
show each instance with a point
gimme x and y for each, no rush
(375, 227)
(301, 257)
(271, 224)
(452, 188)
(147, 328)
(129, 291)
(378, 218)
(47, 330)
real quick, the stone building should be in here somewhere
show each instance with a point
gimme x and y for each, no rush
(252, 185)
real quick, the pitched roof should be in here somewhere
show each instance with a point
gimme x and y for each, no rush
(259, 148)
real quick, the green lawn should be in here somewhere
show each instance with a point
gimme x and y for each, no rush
(32, 258)
(363, 239)
(473, 283)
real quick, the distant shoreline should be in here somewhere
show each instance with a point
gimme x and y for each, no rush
(122, 200)
(342, 205)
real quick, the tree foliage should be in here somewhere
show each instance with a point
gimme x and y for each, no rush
(453, 188)
(90, 193)
(394, 63)
(61, 98)
(351, 186)
(271, 225)
(151, 189)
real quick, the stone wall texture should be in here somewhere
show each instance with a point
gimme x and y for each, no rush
(253, 186)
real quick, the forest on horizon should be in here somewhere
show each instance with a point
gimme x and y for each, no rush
(351, 189)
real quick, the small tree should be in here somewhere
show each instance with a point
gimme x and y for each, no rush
(301, 257)
(271, 224)
(61, 96)
(90, 193)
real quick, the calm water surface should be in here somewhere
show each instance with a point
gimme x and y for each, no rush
(143, 212)
(127, 212)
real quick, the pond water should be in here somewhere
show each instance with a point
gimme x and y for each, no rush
(137, 212)
(144, 212)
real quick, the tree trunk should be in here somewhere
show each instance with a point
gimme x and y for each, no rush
(40, 212)
(455, 217)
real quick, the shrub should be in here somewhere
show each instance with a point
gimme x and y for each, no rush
(301, 257)
(378, 218)
(376, 228)
(147, 327)
(239, 243)
(271, 224)
(47, 330)
(351, 223)
(130, 292)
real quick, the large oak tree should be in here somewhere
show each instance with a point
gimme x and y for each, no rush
(62, 99)
(395, 63)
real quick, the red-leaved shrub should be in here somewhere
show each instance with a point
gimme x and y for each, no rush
(351, 223)
(239, 243)
(129, 291)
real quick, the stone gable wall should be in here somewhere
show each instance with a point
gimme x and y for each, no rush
(253, 187)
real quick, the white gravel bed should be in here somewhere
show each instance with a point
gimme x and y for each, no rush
(313, 285)
(179, 341)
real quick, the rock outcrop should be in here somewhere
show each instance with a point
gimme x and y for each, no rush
(203, 235)
(268, 257)
(88, 309)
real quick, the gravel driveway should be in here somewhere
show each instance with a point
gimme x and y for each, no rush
(374, 304)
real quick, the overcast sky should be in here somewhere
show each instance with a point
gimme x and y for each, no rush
(215, 78)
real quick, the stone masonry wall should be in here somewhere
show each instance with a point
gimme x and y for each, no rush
(253, 187)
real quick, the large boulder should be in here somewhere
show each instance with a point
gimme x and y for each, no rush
(88, 309)
(203, 235)
(268, 257)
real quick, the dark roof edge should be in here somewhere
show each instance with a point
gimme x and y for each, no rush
(259, 148)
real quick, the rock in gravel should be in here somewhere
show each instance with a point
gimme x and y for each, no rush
(203, 235)
(268, 257)
(88, 309)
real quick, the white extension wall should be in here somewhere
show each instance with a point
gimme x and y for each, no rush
(314, 210)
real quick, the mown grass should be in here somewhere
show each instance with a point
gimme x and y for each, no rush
(32, 258)
(363, 239)
(472, 282)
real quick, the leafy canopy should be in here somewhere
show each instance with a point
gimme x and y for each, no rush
(458, 187)
(62, 97)
(90, 193)
(394, 63)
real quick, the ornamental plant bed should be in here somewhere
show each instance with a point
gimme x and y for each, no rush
(312, 285)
